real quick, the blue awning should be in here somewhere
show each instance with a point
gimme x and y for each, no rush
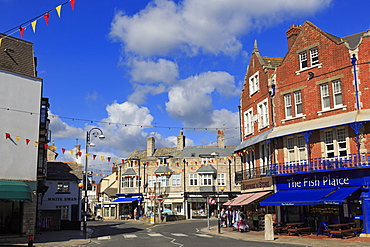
(126, 200)
(296, 197)
(338, 196)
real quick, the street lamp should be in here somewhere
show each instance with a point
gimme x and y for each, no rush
(96, 132)
(218, 208)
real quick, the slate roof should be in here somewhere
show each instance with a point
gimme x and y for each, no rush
(129, 172)
(111, 192)
(163, 169)
(64, 171)
(207, 169)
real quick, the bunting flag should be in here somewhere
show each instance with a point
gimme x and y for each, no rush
(36, 144)
(7, 135)
(72, 2)
(17, 138)
(45, 146)
(71, 151)
(21, 31)
(33, 24)
(102, 158)
(58, 9)
(94, 157)
(63, 150)
(1, 41)
(46, 17)
(27, 141)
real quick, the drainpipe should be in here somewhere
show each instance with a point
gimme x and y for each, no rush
(240, 125)
(353, 59)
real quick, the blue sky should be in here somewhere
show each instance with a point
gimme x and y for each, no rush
(138, 68)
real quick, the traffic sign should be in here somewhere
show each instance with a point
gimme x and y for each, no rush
(211, 201)
(151, 198)
(159, 198)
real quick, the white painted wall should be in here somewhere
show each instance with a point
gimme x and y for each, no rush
(22, 96)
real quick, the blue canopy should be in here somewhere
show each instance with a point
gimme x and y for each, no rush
(339, 195)
(126, 200)
(296, 197)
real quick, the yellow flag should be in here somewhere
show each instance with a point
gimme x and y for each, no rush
(54, 148)
(116, 160)
(17, 138)
(102, 158)
(58, 9)
(1, 40)
(34, 26)
(36, 144)
(71, 151)
(87, 155)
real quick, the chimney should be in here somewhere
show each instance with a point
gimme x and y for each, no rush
(221, 139)
(150, 146)
(292, 34)
(180, 141)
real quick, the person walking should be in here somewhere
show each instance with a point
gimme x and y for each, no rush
(256, 220)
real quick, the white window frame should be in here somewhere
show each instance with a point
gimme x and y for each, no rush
(248, 122)
(193, 179)
(176, 180)
(295, 148)
(314, 54)
(262, 108)
(151, 181)
(128, 182)
(303, 61)
(206, 179)
(288, 105)
(221, 179)
(164, 180)
(254, 83)
(298, 103)
(337, 93)
(325, 96)
(291, 148)
(329, 143)
(301, 146)
(63, 187)
(341, 142)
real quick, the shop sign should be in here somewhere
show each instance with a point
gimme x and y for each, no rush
(62, 199)
(258, 183)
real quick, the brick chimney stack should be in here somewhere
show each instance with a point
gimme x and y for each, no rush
(150, 146)
(292, 34)
(181, 141)
(221, 139)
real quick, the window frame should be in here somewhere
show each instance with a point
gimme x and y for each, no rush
(303, 60)
(193, 179)
(248, 122)
(337, 91)
(206, 179)
(63, 187)
(254, 83)
(263, 114)
(298, 102)
(288, 105)
(325, 96)
(176, 180)
(314, 56)
(221, 179)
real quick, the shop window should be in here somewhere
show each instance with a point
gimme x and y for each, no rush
(206, 179)
(63, 211)
(221, 179)
(106, 211)
(193, 179)
(176, 180)
(112, 211)
(63, 187)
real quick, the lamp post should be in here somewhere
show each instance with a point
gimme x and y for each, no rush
(96, 132)
(218, 208)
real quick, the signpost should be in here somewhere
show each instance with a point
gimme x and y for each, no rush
(210, 201)
(159, 198)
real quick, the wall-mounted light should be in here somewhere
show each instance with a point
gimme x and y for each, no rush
(7, 50)
(311, 75)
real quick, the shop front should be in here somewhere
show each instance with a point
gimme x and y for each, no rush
(197, 203)
(330, 197)
(130, 206)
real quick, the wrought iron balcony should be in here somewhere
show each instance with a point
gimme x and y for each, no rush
(351, 161)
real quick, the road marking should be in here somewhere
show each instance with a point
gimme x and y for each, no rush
(129, 236)
(179, 234)
(155, 234)
(104, 238)
(203, 235)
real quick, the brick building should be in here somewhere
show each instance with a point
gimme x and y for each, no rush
(304, 121)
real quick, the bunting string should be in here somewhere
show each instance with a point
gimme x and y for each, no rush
(22, 27)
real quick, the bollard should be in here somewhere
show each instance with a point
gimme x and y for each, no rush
(30, 240)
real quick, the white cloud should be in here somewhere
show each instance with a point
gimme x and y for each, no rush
(191, 100)
(213, 26)
(61, 130)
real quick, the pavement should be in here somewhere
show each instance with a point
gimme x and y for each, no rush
(74, 238)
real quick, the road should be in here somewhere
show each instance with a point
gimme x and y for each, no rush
(177, 234)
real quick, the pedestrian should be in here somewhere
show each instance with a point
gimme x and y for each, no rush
(135, 213)
(256, 220)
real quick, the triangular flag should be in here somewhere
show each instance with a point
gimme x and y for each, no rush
(102, 158)
(94, 157)
(17, 138)
(123, 160)
(116, 160)
(108, 159)
(54, 148)
(72, 2)
(1, 40)
(21, 31)
(45, 146)
(79, 154)
(46, 17)
(33, 24)
(36, 144)
(71, 151)
(87, 155)
(63, 150)
(27, 141)
(58, 9)
(7, 135)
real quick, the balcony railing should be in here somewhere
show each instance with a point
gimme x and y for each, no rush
(350, 161)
